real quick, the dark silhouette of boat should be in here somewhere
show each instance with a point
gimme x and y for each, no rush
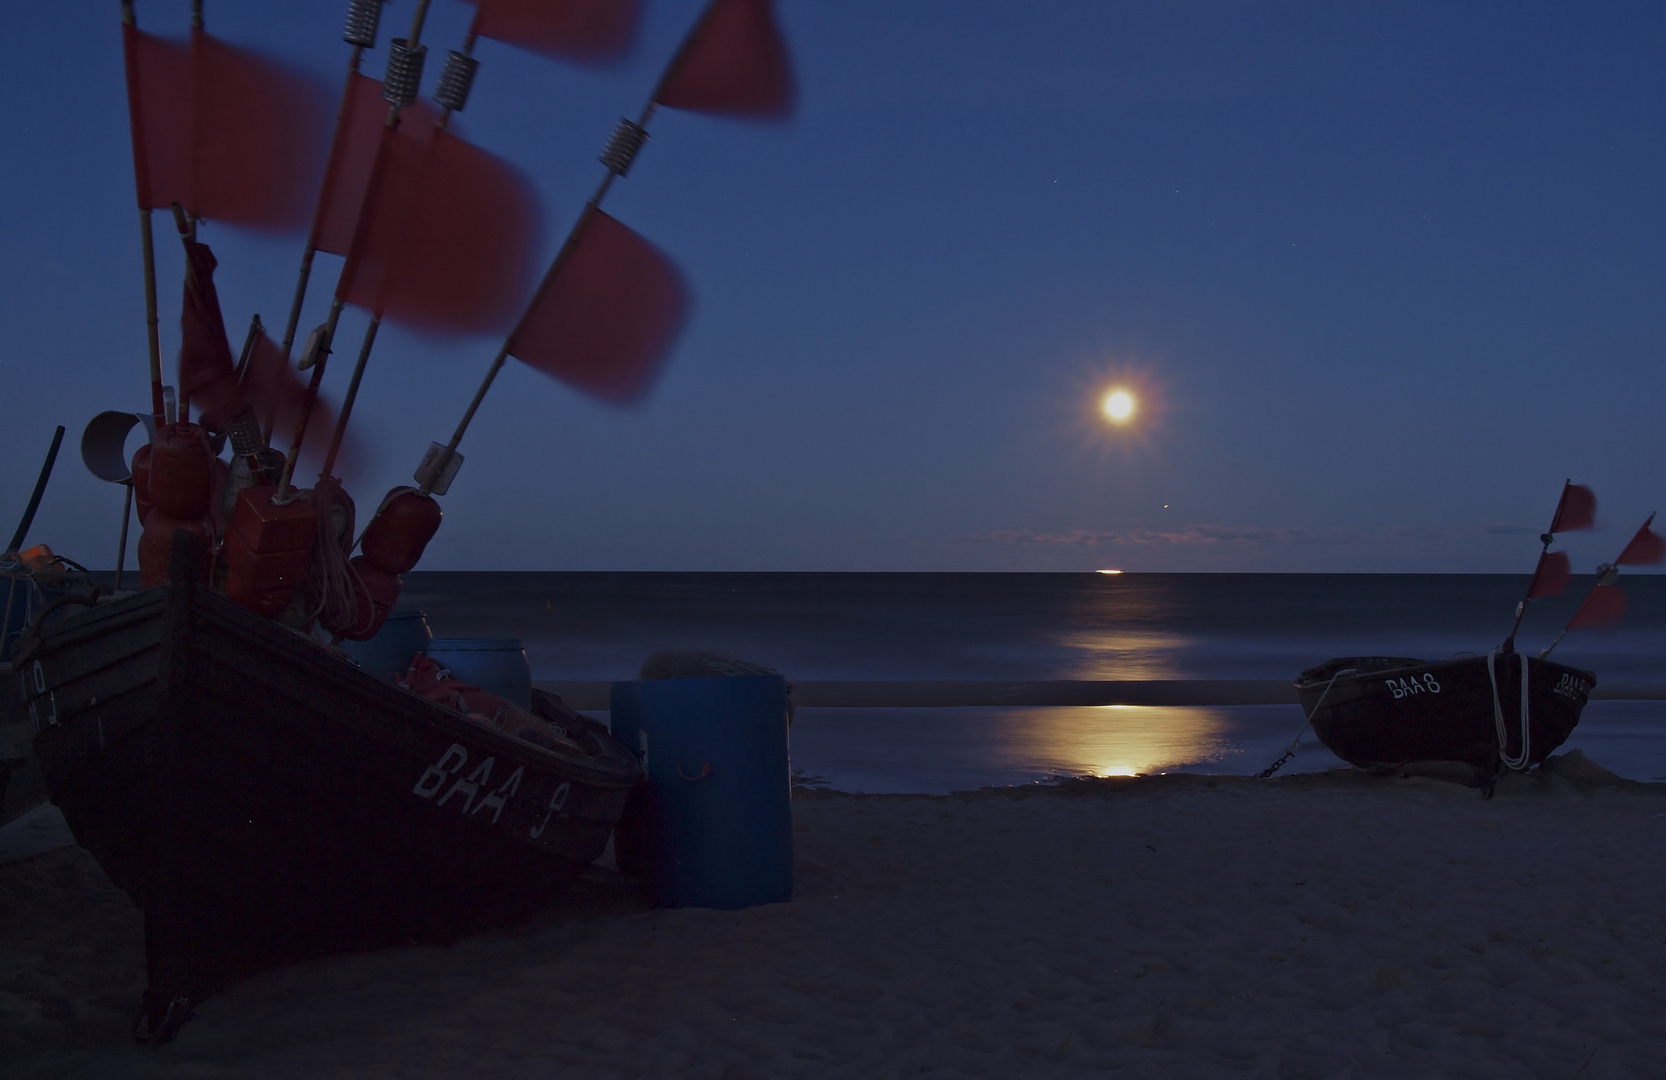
(1501, 710)
(265, 801)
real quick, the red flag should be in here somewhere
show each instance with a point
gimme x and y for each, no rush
(225, 133)
(257, 142)
(1606, 604)
(608, 317)
(1550, 577)
(588, 31)
(276, 391)
(447, 236)
(159, 115)
(207, 376)
(353, 156)
(733, 61)
(1577, 509)
(1647, 548)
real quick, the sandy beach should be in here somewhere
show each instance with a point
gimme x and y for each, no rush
(1322, 925)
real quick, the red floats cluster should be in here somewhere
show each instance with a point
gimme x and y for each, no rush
(268, 549)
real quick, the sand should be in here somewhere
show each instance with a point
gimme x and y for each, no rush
(1324, 925)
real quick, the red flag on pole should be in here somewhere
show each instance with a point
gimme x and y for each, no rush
(1550, 577)
(354, 156)
(227, 134)
(1577, 509)
(1606, 604)
(447, 240)
(734, 61)
(608, 316)
(1647, 548)
(257, 139)
(207, 376)
(159, 116)
(588, 31)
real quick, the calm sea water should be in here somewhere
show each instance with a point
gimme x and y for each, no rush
(1052, 626)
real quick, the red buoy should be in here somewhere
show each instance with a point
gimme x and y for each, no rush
(157, 541)
(141, 481)
(268, 549)
(181, 471)
(404, 523)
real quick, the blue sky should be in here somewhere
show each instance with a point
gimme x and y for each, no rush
(1385, 275)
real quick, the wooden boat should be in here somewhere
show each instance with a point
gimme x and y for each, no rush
(1501, 710)
(265, 801)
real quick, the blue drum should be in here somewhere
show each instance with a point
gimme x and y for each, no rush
(712, 826)
(388, 655)
(495, 664)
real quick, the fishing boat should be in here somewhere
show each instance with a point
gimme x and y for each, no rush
(1503, 710)
(257, 794)
(263, 800)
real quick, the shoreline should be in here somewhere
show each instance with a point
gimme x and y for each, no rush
(1181, 924)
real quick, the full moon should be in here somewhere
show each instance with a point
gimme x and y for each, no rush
(1119, 406)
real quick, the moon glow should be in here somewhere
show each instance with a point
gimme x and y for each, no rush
(1118, 406)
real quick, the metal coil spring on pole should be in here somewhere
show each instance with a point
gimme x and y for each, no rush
(244, 429)
(404, 76)
(455, 81)
(362, 19)
(621, 150)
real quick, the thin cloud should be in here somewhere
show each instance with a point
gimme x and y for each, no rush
(1191, 535)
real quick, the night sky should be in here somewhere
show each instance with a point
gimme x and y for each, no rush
(1380, 277)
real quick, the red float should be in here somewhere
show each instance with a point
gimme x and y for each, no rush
(141, 481)
(157, 541)
(404, 523)
(268, 549)
(181, 471)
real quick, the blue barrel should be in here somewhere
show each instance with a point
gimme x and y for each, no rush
(388, 655)
(715, 826)
(495, 664)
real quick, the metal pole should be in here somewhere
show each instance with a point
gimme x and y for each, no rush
(126, 513)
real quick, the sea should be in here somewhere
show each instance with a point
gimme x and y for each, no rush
(957, 626)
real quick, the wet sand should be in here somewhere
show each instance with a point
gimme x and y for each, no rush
(1319, 925)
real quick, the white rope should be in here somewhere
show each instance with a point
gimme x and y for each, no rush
(1518, 763)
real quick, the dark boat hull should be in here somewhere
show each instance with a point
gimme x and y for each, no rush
(1394, 710)
(264, 801)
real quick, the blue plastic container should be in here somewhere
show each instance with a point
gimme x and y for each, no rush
(495, 664)
(715, 827)
(388, 655)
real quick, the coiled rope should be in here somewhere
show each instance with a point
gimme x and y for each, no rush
(332, 583)
(1518, 763)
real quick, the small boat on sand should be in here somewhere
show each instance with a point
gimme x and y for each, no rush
(1502, 709)
(265, 801)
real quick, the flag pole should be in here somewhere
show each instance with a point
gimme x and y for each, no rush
(147, 240)
(434, 475)
(305, 274)
(369, 341)
(320, 350)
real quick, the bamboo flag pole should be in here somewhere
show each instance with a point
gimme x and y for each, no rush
(435, 473)
(141, 166)
(369, 341)
(319, 349)
(330, 168)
